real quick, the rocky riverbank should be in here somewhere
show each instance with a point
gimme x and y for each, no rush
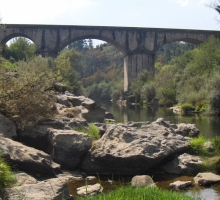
(42, 153)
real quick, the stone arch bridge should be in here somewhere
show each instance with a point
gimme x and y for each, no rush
(138, 45)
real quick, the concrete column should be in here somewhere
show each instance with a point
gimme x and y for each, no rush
(134, 64)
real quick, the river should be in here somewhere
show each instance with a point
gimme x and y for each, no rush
(208, 126)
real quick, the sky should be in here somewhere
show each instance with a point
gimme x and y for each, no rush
(180, 14)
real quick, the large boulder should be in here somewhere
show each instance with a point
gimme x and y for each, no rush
(37, 136)
(183, 164)
(130, 150)
(26, 158)
(7, 128)
(68, 146)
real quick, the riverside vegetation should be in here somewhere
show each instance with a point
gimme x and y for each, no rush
(191, 78)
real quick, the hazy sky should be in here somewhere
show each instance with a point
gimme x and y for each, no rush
(186, 14)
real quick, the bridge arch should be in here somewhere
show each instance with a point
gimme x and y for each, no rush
(14, 35)
(188, 40)
(105, 39)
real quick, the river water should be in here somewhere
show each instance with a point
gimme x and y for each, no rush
(208, 126)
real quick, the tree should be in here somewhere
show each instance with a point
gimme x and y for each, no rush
(19, 49)
(78, 45)
(216, 6)
(68, 63)
(90, 44)
(137, 84)
(148, 91)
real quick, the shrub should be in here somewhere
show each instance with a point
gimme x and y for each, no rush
(201, 105)
(216, 143)
(148, 91)
(197, 144)
(187, 107)
(25, 95)
(6, 175)
(92, 131)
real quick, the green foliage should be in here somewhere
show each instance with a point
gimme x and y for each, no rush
(68, 62)
(201, 106)
(171, 50)
(19, 49)
(214, 94)
(6, 64)
(216, 143)
(117, 90)
(78, 45)
(25, 95)
(140, 193)
(197, 145)
(138, 83)
(148, 91)
(102, 75)
(165, 85)
(186, 107)
(6, 175)
(92, 131)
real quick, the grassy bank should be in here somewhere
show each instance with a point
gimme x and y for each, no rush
(139, 193)
(208, 153)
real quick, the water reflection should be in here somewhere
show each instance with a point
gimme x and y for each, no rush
(204, 194)
(208, 126)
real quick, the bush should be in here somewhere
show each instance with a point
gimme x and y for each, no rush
(187, 107)
(25, 95)
(216, 143)
(6, 175)
(197, 145)
(201, 106)
(148, 91)
(92, 131)
(214, 94)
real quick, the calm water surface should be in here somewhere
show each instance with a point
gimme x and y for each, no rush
(208, 126)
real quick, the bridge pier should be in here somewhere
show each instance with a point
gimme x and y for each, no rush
(136, 63)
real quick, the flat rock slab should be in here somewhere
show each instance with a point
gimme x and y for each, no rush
(23, 178)
(55, 188)
(180, 185)
(206, 179)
